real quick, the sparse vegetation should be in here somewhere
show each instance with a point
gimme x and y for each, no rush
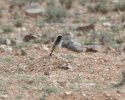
(23, 2)
(120, 5)
(92, 20)
(67, 3)
(121, 82)
(19, 22)
(54, 13)
(70, 56)
(117, 28)
(106, 38)
(51, 89)
(84, 2)
(19, 46)
(6, 59)
(123, 17)
(27, 72)
(40, 23)
(7, 29)
(101, 6)
(20, 2)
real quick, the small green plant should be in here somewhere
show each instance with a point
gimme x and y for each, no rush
(19, 46)
(27, 87)
(6, 59)
(90, 38)
(77, 20)
(123, 17)
(19, 19)
(120, 5)
(54, 13)
(66, 3)
(122, 81)
(88, 42)
(7, 29)
(101, 6)
(92, 20)
(40, 23)
(117, 28)
(19, 22)
(23, 2)
(74, 87)
(106, 38)
(43, 97)
(51, 89)
(83, 2)
(51, 2)
(19, 96)
(77, 79)
(69, 56)
(20, 3)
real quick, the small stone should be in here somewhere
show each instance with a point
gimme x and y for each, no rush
(115, 1)
(8, 42)
(84, 94)
(23, 28)
(118, 91)
(118, 95)
(13, 42)
(45, 48)
(86, 28)
(33, 9)
(68, 92)
(67, 66)
(62, 83)
(106, 94)
(5, 48)
(46, 73)
(4, 96)
(23, 52)
(107, 24)
(73, 46)
(29, 37)
(5, 41)
(91, 48)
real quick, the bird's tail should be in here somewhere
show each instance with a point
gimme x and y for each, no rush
(50, 54)
(52, 51)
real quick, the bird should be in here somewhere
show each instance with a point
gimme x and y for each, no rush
(61, 40)
(57, 44)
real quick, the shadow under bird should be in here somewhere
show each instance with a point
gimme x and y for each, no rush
(57, 44)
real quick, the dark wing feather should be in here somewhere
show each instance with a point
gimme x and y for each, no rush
(56, 43)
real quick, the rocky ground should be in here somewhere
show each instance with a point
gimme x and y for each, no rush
(28, 30)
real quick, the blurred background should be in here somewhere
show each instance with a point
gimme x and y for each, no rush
(39, 21)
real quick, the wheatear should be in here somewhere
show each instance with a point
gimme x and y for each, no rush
(57, 44)
(61, 39)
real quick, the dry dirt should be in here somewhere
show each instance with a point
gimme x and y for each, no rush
(36, 76)
(30, 77)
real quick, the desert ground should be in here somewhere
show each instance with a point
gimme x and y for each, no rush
(27, 34)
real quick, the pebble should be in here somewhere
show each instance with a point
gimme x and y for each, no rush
(5, 48)
(67, 66)
(33, 9)
(91, 48)
(47, 73)
(23, 52)
(69, 43)
(107, 24)
(5, 41)
(68, 92)
(73, 46)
